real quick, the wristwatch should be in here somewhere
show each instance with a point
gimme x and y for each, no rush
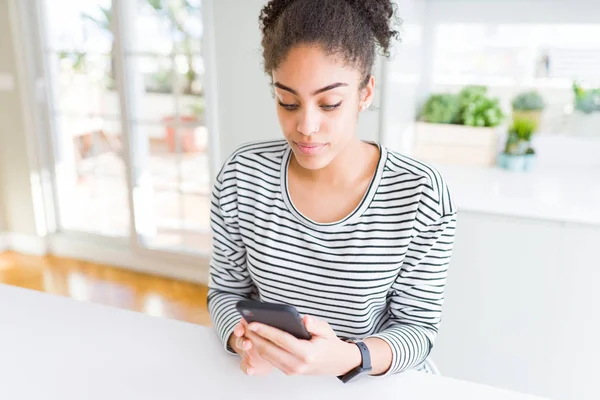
(365, 365)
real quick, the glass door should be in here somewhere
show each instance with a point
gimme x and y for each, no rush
(127, 110)
(164, 77)
(90, 185)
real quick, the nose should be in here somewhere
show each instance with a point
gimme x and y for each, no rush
(308, 122)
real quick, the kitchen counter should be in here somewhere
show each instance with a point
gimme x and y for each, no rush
(569, 194)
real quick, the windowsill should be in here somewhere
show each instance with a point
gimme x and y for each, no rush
(570, 194)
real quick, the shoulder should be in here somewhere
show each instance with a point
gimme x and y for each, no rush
(434, 193)
(261, 156)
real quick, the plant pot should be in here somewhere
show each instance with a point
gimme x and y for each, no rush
(185, 131)
(533, 115)
(529, 162)
(455, 144)
(512, 163)
(516, 163)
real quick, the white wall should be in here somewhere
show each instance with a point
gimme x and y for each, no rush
(246, 108)
(403, 77)
(514, 11)
(15, 190)
(521, 309)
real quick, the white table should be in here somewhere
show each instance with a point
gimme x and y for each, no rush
(55, 348)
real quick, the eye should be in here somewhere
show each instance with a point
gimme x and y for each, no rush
(289, 107)
(331, 107)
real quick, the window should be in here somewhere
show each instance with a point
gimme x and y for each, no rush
(510, 58)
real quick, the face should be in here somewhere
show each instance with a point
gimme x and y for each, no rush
(318, 101)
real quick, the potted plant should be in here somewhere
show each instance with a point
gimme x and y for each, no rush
(586, 116)
(459, 128)
(528, 105)
(187, 128)
(441, 109)
(518, 154)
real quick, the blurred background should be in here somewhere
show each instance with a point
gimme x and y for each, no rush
(115, 117)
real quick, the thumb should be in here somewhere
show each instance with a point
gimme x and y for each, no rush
(318, 326)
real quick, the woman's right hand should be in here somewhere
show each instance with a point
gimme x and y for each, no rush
(251, 363)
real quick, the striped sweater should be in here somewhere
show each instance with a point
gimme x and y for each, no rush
(379, 272)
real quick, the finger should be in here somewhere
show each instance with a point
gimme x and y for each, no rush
(254, 360)
(318, 326)
(255, 365)
(245, 367)
(239, 330)
(243, 343)
(274, 354)
(262, 371)
(246, 344)
(282, 339)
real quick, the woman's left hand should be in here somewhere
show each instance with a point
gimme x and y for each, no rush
(324, 354)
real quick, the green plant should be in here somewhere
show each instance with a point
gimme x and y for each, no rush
(471, 106)
(524, 128)
(441, 109)
(470, 93)
(160, 81)
(586, 101)
(197, 107)
(103, 20)
(477, 109)
(519, 137)
(512, 144)
(179, 13)
(530, 151)
(528, 101)
(76, 59)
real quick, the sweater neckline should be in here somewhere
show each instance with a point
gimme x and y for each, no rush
(353, 215)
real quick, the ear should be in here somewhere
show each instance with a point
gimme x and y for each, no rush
(367, 94)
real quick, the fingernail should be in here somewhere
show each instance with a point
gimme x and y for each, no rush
(253, 328)
(249, 371)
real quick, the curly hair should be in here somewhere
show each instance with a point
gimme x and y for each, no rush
(350, 29)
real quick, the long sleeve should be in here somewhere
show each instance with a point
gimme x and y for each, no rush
(229, 280)
(416, 297)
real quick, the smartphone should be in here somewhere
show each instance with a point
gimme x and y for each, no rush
(280, 316)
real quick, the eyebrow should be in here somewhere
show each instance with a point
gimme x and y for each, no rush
(316, 92)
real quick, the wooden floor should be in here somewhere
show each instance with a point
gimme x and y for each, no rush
(95, 283)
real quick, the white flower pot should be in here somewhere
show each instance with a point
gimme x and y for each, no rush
(455, 144)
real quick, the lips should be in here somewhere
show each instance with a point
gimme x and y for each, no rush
(310, 148)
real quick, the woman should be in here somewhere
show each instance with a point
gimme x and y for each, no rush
(358, 238)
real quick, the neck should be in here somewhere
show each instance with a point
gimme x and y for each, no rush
(344, 169)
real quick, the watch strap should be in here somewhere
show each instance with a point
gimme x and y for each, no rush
(365, 365)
